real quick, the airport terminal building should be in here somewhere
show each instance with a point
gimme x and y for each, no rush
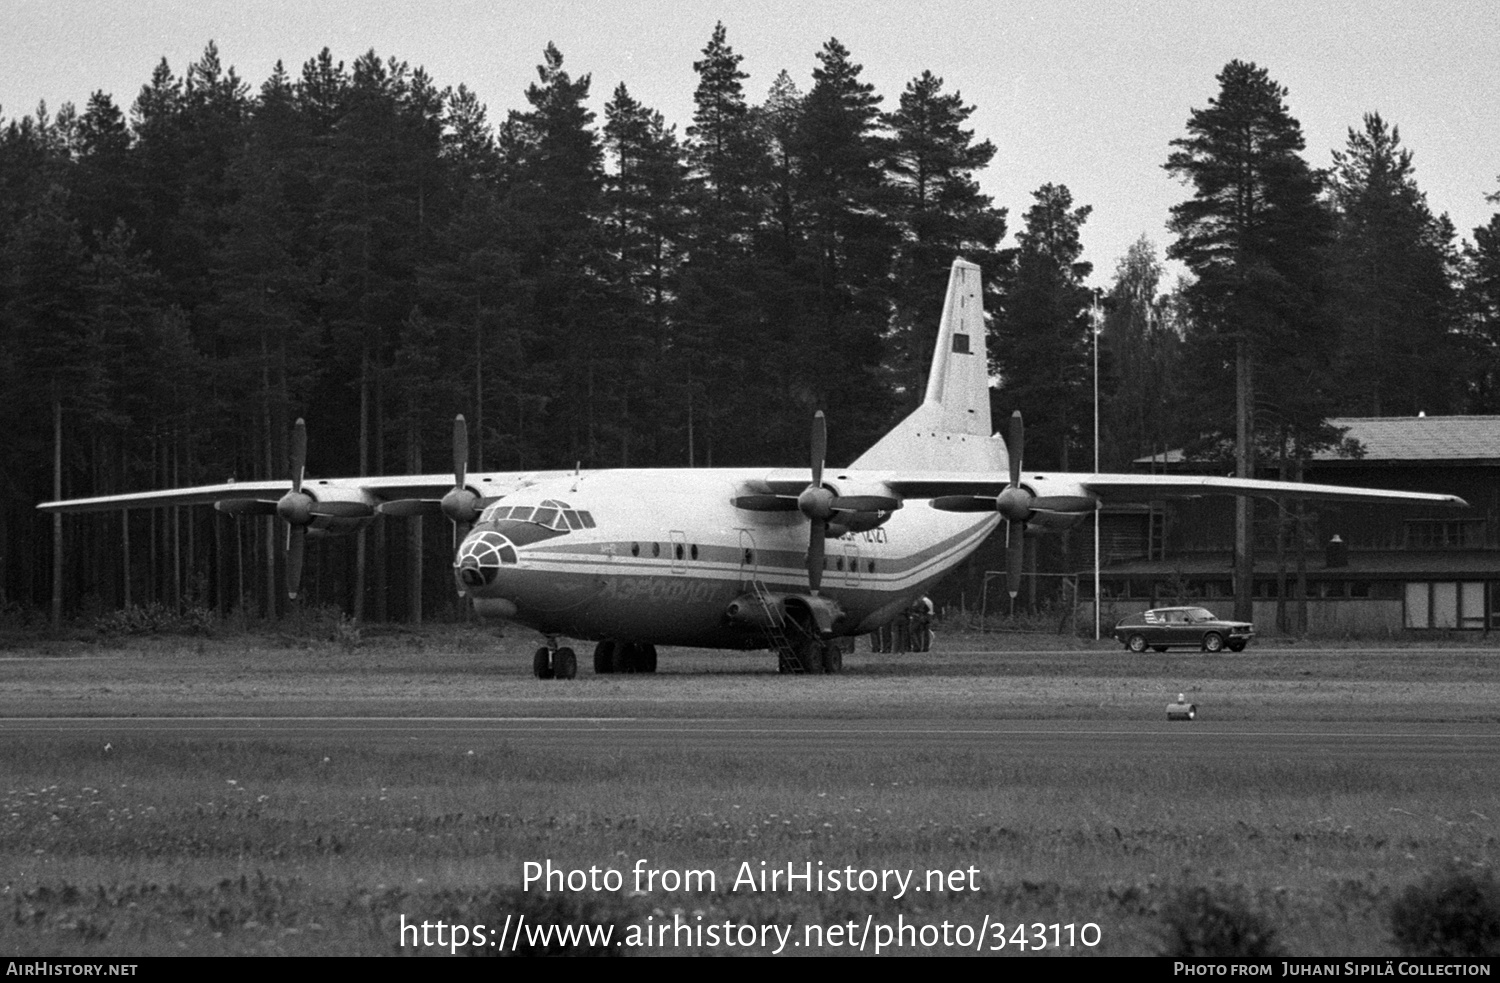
(1362, 568)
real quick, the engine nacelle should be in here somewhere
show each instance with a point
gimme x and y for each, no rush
(867, 518)
(817, 614)
(338, 510)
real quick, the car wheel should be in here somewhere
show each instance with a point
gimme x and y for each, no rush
(1136, 643)
(1213, 642)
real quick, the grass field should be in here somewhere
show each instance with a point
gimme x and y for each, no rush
(200, 845)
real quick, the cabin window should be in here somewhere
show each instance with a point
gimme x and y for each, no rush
(656, 549)
(695, 551)
(679, 551)
(635, 549)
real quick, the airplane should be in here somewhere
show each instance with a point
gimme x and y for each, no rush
(786, 559)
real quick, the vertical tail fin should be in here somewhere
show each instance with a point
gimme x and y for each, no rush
(951, 430)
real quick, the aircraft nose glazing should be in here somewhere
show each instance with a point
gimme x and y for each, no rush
(480, 558)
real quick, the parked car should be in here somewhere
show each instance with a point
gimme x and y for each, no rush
(1162, 628)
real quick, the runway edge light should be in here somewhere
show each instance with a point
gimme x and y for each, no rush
(1182, 710)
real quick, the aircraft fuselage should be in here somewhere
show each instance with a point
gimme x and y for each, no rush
(660, 556)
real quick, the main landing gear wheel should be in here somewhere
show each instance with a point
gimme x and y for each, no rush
(564, 664)
(833, 658)
(541, 663)
(612, 657)
(1136, 643)
(811, 654)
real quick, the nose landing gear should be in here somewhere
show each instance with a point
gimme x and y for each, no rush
(551, 662)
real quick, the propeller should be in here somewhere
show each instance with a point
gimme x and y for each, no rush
(460, 505)
(816, 502)
(820, 504)
(295, 509)
(1014, 505)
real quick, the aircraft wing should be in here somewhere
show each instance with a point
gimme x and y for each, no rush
(1111, 488)
(376, 489)
(1145, 488)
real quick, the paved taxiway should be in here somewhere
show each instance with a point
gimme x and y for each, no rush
(1448, 744)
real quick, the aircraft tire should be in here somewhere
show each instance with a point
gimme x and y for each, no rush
(565, 664)
(541, 663)
(833, 658)
(604, 658)
(810, 655)
(646, 657)
(622, 659)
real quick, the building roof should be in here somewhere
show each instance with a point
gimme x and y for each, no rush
(1362, 564)
(1402, 438)
(1422, 438)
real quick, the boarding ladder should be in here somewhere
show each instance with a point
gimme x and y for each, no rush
(776, 628)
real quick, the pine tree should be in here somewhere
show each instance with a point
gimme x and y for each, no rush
(645, 199)
(849, 245)
(1392, 287)
(1255, 236)
(1480, 305)
(933, 165)
(554, 178)
(1041, 343)
(1140, 362)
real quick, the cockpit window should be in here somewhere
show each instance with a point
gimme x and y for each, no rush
(554, 515)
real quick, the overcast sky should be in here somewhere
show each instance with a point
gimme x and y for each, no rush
(1086, 94)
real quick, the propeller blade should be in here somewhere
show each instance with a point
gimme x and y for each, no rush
(460, 532)
(460, 450)
(298, 462)
(1017, 448)
(296, 546)
(245, 506)
(766, 503)
(405, 507)
(819, 446)
(816, 548)
(1015, 545)
(866, 503)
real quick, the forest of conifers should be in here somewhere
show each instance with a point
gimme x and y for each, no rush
(363, 247)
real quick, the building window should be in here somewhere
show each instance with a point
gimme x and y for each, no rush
(1432, 534)
(1446, 604)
